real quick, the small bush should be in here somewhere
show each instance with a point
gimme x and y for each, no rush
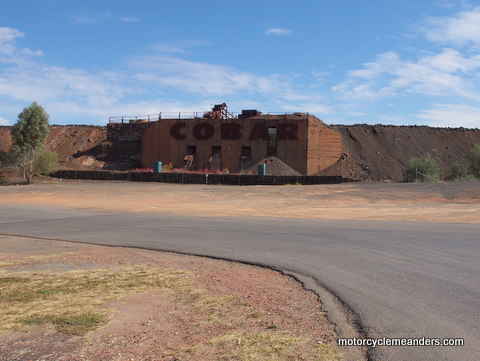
(46, 163)
(3, 163)
(474, 159)
(467, 168)
(460, 170)
(167, 167)
(422, 169)
(3, 159)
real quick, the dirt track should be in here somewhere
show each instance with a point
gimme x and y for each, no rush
(436, 202)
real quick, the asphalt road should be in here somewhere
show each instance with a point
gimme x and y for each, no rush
(401, 279)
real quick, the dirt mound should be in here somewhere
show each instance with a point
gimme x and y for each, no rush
(70, 140)
(379, 152)
(83, 162)
(275, 166)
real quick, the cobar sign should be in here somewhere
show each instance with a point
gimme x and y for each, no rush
(233, 131)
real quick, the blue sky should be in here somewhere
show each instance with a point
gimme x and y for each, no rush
(346, 61)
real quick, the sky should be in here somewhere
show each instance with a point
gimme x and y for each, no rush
(346, 61)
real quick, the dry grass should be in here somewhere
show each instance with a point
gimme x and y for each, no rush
(265, 346)
(74, 303)
(30, 296)
(6, 262)
(79, 324)
(37, 297)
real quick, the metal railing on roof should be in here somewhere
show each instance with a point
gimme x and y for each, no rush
(176, 115)
(154, 117)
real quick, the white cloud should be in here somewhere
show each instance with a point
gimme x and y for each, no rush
(146, 85)
(129, 19)
(355, 114)
(9, 35)
(444, 74)
(4, 121)
(95, 17)
(277, 32)
(461, 29)
(43, 82)
(177, 47)
(9, 52)
(204, 78)
(452, 115)
(448, 72)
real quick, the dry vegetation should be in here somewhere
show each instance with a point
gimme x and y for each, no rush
(73, 300)
(76, 294)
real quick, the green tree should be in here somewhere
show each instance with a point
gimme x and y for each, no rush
(28, 135)
(422, 169)
(45, 163)
(474, 159)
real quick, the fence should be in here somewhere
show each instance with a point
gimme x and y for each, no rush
(153, 117)
(196, 178)
(170, 115)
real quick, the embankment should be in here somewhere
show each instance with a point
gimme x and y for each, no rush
(371, 152)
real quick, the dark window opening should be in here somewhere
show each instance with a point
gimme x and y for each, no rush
(246, 158)
(272, 142)
(189, 157)
(215, 161)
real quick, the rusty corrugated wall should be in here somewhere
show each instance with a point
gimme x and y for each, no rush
(303, 142)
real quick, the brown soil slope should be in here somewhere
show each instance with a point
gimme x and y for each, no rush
(66, 140)
(379, 152)
(5, 139)
(88, 146)
(371, 152)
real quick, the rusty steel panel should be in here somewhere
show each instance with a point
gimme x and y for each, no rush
(304, 144)
(324, 148)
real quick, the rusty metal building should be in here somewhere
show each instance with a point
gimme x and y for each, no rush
(214, 141)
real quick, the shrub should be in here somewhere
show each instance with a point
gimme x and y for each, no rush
(467, 168)
(46, 162)
(461, 170)
(3, 159)
(167, 167)
(4, 162)
(474, 159)
(422, 169)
